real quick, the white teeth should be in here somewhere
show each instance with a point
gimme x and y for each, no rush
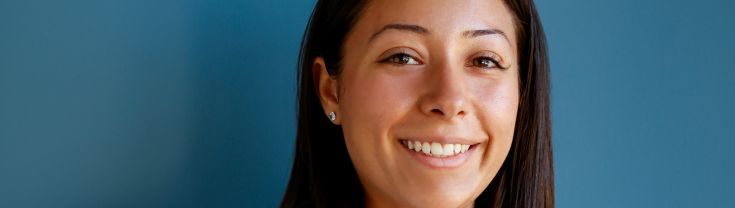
(448, 150)
(426, 148)
(436, 149)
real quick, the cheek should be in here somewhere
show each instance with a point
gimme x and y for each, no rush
(501, 103)
(375, 100)
(497, 108)
(370, 105)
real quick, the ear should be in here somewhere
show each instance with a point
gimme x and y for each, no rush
(326, 87)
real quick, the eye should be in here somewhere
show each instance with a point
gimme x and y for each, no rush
(401, 59)
(485, 62)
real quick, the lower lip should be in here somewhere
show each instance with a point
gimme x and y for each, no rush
(440, 162)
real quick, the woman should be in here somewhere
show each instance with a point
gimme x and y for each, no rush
(419, 103)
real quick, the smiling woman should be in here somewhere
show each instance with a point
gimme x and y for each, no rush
(423, 104)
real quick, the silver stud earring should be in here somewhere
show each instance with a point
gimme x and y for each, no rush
(332, 116)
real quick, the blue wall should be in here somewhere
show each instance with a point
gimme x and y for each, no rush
(643, 102)
(184, 103)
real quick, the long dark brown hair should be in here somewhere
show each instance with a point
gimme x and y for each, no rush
(323, 175)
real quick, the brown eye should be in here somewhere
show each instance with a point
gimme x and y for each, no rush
(485, 62)
(402, 59)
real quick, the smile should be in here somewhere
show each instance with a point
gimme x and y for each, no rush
(436, 149)
(437, 155)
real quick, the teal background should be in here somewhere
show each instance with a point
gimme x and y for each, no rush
(191, 103)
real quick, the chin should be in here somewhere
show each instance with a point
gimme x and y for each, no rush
(447, 193)
(440, 199)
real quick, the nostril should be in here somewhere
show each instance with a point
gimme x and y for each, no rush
(437, 111)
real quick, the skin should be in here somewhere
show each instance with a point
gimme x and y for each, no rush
(440, 90)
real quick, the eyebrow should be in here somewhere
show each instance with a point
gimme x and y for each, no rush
(423, 31)
(404, 27)
(477, 33)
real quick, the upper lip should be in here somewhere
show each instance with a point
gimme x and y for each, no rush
(443, 139)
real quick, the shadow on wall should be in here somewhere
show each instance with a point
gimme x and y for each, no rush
(246, 53)
(147, 103)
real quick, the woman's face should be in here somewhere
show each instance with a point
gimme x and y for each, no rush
(427, 98)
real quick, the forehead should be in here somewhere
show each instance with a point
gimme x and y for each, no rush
(443, 17)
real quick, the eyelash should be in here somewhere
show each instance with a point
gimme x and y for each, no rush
(492, 60)
(405, 59)
(401, 59)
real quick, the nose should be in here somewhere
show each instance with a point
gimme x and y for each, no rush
(446, 96)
